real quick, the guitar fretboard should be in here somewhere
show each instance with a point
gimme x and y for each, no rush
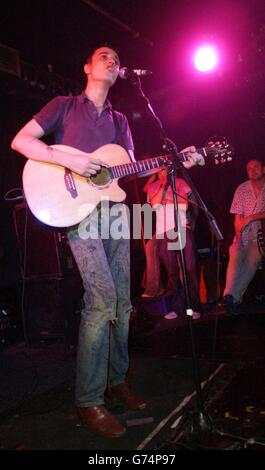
(138, 167)
(148, 164)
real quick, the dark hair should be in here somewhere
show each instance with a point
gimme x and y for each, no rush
(95, 48)
(255, 160)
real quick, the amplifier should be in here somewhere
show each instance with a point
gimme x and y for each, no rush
(44, 252)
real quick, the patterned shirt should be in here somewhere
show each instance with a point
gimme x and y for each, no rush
(246, 203)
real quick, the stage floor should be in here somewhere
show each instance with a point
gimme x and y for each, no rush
(37, 387)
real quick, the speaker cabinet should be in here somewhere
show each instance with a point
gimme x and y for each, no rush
(44, 310)
(51, 286)
(39, 246)
(51, 309)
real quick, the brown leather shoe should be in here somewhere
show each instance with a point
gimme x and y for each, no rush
(101, 421)
(125, 394)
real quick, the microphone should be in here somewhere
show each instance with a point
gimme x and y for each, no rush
(127, 73)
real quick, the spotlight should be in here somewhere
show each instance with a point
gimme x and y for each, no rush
(205, 58)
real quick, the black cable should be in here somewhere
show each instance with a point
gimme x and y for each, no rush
(15, 198)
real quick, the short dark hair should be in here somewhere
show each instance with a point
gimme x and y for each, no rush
(96, 47)
(255, 160)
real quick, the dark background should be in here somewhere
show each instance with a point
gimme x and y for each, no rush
(52, 40)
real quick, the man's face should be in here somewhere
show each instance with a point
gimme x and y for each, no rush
(255, 170)
(104, 66)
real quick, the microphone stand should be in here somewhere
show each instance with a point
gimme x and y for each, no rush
(201, 421)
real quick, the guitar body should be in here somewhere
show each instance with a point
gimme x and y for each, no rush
(53, 203)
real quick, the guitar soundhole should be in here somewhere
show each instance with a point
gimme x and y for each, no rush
(102, 178)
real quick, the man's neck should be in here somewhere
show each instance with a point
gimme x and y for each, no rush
(257, 185)
(97, 93)
(259, 182)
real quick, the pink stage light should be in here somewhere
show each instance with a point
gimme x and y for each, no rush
(205, 58)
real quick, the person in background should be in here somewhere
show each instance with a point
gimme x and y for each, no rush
(248, 207)
(158, 252)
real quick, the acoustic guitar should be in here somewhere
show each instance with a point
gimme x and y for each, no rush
(61, 198)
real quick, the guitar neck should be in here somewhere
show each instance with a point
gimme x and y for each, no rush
(142, 166)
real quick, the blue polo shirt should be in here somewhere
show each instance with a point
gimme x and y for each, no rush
(74, 121)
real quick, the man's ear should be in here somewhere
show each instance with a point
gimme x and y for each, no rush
(87, 68)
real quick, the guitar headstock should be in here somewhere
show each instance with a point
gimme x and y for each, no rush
(220, 149)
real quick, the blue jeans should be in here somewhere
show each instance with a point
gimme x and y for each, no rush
(102, 358)
(244, 261)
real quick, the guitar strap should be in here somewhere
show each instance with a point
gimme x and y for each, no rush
(119, 137)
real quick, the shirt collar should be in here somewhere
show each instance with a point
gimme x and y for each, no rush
(83, 98)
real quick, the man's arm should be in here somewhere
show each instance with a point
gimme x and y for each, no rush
(241, 222)
(237, 225)
(150, 180)
(28, 143)
(158, 196)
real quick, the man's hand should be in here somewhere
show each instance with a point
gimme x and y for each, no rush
(84, 165)
(240, 224)
(194, 158)
(243, 222)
